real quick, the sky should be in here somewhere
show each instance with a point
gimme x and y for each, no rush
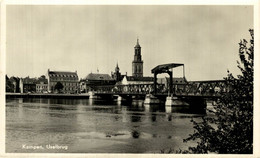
(89, 38)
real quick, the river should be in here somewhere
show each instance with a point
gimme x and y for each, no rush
(38, 125)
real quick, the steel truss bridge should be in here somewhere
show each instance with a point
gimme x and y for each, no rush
(207, 89)
(198, 89)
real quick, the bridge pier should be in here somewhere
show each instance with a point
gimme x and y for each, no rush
(119, 98)
(151, 99)
(174, 101)
(124, 98)
(92, 95)
(184, 104)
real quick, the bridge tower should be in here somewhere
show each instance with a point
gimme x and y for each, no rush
(137, 64)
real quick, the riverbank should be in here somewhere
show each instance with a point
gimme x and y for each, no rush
(41, 95)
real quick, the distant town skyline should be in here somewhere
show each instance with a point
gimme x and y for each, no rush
(90, 38)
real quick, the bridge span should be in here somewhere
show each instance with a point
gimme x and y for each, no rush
(206, 89)
(173, 94)
(194, 93)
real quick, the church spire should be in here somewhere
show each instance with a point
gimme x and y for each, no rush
(117, 67)
(117, 74)
(137, 43)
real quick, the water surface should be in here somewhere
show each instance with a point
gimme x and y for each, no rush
(93, 126)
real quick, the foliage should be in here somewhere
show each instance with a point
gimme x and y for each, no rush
(9, 87)
(42, 77)
(59, 86)
(231, 128)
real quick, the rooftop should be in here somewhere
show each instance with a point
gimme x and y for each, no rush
(97, 76)
(133, 78)
(164, 67)
(62, 74)
(28, 80)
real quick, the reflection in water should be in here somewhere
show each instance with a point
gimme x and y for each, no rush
(69, 121)
(20, 110)
(135, 118)
(153, 118)
(55, 107)
(64, 101)
(119, 102)
(168, 109)
(135, 134)
(136, 108)
(90, 102)
(20, 100)
(117, 118)
(169, 117)
(184, 109)
(154, 108)
(146, 108)
(44, 101)
(137, 103)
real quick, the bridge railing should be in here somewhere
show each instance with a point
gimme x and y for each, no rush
(196, 88)
(203, 88)
(123, 89)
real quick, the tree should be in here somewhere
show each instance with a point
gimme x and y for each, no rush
(9, 87)
(59, 86)
(231, 128)
(42, 77)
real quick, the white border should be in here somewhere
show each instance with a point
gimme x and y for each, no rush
(2, 79)
(256, 152)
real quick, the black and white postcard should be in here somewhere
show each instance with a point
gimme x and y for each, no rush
(145, 78)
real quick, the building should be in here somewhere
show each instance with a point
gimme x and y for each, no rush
(69, 81)
(137, 70)
(117, 75)
(137, 73)
(93, 80)
(42, 85)
(136, 80)
(137, 64)
(28, 85)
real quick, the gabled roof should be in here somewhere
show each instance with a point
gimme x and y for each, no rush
(104, 77)
(133, 78)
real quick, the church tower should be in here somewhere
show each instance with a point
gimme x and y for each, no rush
(117, 74)
(137, 64)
